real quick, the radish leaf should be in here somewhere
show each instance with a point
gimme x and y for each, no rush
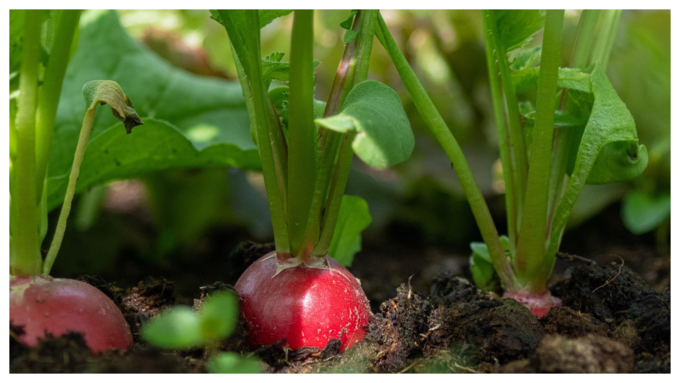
(353, 218)
(191, 121)
(179, 328)
(516, 27)
(233, 363)
(610, 126)
(372, 109)
(641, 213)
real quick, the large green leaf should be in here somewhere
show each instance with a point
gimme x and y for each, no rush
(353, 218)
(516, 27)
(374, 111)
(190, 120)
(610, 126)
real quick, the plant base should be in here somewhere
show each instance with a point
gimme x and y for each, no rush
(539, 304)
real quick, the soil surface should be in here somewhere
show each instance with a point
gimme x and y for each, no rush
(427, 316)
(611, 321)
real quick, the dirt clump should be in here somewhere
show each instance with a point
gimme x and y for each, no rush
(571, 323)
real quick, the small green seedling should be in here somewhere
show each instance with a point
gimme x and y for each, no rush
(182, 328)
(577, 131)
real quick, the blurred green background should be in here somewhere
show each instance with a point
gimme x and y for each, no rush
(178, 215)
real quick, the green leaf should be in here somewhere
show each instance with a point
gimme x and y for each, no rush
(266, 15)
(567, 78)
(526, 58)
(232, 363)
(350, 35)
(516, 27)
(619, 161)
(372, 109)
(179, 328)
(609, 122)
(219, 315)
(190, 120)
(483, 272)
(353, 218)
(641, 213)
(275, 69)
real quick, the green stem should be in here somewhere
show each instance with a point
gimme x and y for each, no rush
(25, 259)
(272, 148)
(329, 141)
(585, 38)
(436, 123)
(83, 138)
(67, 22)
(502, 132)
(532, 241)
(357, 72)
(605, 43)
(567, 136)
(302, 155)
(518, 150)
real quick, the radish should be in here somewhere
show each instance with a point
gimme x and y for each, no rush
(45, 304)
(298, 292)
(306, 306)
(39, 303)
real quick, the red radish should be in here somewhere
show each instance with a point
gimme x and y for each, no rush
(539, 304)
(44, 304)
(307, 306)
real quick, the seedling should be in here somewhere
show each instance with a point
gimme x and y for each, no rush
(298, 293)
(182, 328)
(39, 302)
(582, 133)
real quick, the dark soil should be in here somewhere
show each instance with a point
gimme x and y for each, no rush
(612, 321)
(427, 316)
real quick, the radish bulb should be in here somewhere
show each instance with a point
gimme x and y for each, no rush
(307, 305)
(51, 305)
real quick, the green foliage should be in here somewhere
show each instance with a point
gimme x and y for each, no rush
(179, 328)
(610, 122)
(266, 15)
(516, 28)
(642, 213)
(190, 121)
(353, 218)
(567, 78)
(374, 111)
(182, 328)
(481, 266)
(350, 35)
(232, 363)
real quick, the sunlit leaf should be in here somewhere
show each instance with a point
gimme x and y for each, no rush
(190, 120)
(374, 111)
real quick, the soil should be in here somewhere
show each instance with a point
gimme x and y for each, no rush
(427, 316)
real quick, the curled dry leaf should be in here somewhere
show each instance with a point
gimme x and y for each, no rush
(106, 92)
